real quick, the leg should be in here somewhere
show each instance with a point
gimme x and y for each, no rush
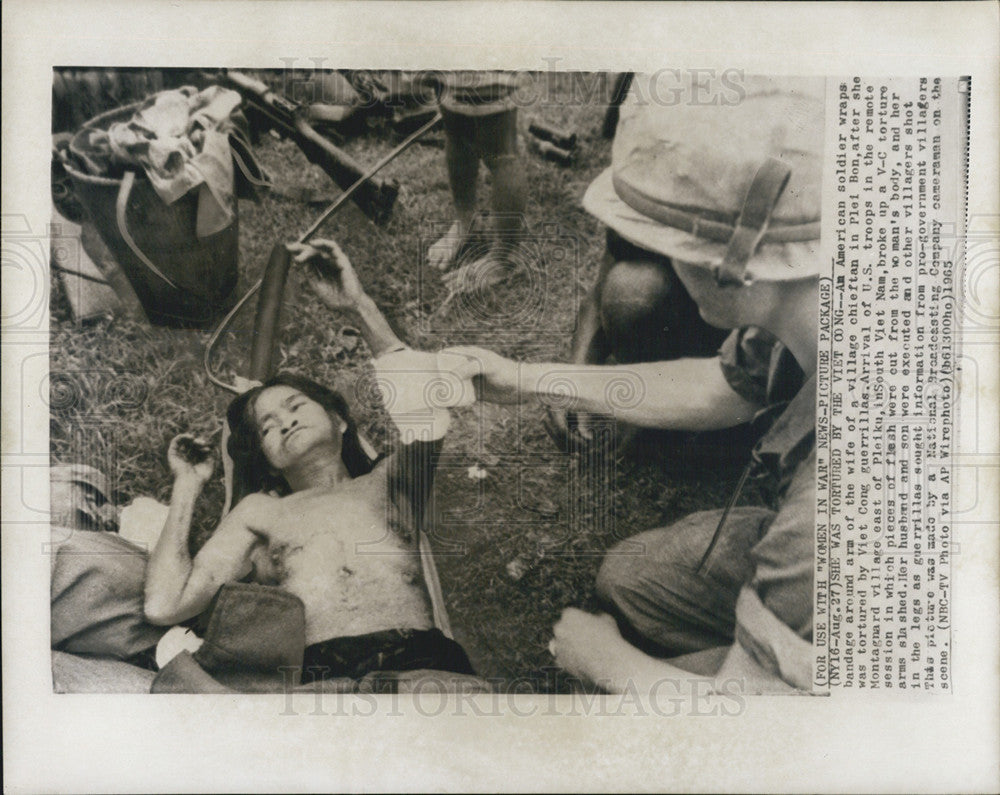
(97, 596)
(647, 291)
(637, 316)
(637, 310)
(663, 604)
(495, 140)
(462, 161)
(509, 199)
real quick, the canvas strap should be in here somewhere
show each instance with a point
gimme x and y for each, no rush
(121, 205)
(768, 184)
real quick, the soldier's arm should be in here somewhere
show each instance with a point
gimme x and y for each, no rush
(683, 394)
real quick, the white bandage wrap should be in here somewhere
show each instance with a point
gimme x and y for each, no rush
(176, 640)
(418, 388)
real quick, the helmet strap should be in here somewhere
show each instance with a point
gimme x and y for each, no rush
(766, 188)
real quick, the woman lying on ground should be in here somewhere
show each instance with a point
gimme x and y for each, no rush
(326, 523)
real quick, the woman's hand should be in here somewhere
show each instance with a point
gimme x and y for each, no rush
(190, 459)
(333, 278)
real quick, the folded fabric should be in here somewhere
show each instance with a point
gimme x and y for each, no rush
(254, 643)
(418, 388)
(181, 140)
(97, 595)
(142, 522)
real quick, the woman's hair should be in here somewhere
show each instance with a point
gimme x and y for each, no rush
(251, 470)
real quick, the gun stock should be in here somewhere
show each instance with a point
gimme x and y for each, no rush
(290, 119)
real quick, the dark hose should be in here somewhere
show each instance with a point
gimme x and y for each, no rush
(275, 275)
(265, 325)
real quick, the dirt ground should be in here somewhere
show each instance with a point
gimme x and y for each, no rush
(514, 547)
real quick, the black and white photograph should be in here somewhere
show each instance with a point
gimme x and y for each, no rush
(620, 380)
(419, 400)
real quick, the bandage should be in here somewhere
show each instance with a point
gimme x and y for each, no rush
(418, 388)
(176, 640)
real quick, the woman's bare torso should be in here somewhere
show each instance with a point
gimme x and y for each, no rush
(336, 552)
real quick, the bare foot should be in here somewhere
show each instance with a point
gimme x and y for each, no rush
(442, 254)
(483, 273)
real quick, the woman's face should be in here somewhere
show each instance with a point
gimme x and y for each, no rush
(291, 424)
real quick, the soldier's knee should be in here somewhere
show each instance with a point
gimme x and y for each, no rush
(618, 576)
(635, 304)
(634, 290)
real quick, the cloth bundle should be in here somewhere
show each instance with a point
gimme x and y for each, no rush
(181, 140)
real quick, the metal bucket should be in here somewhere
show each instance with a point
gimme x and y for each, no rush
(180, 279)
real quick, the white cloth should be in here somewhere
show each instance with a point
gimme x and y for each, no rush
(418, 388)
(180, 138)
(176, 640)
(142, 521)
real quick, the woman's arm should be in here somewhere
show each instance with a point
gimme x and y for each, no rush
(338, 286)
(375, 328)
(411, 467)
(178, 587)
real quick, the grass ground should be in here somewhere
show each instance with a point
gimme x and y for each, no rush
(514, 548)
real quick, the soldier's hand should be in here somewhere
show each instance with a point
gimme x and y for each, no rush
(590, 646)
(497, 378)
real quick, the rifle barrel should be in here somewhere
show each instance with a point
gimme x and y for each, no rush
(314, 228)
